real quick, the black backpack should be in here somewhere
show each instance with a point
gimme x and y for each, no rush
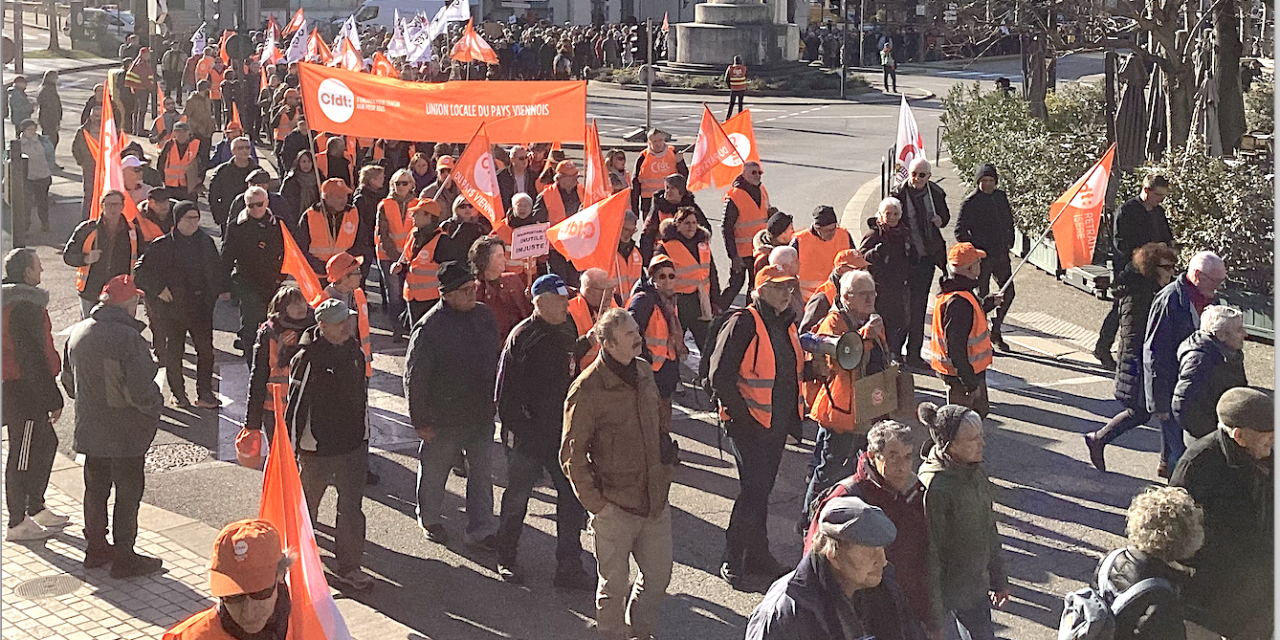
(713, 337)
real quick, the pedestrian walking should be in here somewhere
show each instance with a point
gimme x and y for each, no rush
(889, 66)
(1175, 315)
(101, 250)
(961, 340)
(654, 308)
(300, 191)
(967, 575)
(333, 162)
(327, 417)
(108, 370)
(778, 232)
(155, 217)
(688, 245)
(229, 179)
(172, 64)
(663, 206)
(735, 77)
(371, 188)
(450, 370)
(887, 250)
(17, 103)
(343, 272)
(420, 263)
(925, 213)
(182, 163)
(746, 211)
(534, 373)
(275, 202)
(517, 177)
(818, 245)
(39, 152)
(759, 399)
(1210, 362)
(184, 278)
(392, 225)
(49, 108)
(654, 165)
(253, 253)
(986, 222)
(328, 227)
(84, 148)
(504, 293)
(288, 316)
(141, 80)
(620, 459)
(32, 401)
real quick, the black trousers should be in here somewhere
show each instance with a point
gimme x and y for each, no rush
(419, 308)
(735, 96)
(921, 282)
(997, 265)
(688, 310)
(736, 280)
(1110, 328)
(32, 445)
(171, 330)
(757, 457)
(524, 470)
(101, 475)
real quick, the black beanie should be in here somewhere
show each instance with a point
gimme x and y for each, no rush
(943, 422)
(985, 170)
(824, 215)
(778, 222)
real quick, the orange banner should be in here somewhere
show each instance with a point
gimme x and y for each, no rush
(1075, 214)
(476, 179)
(743, 136)
(513, 112)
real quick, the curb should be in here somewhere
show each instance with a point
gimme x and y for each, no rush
(364, 622)
(869, 96)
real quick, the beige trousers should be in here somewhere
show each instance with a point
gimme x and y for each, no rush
(619, 536)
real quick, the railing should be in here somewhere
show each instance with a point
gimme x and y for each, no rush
(40, 13)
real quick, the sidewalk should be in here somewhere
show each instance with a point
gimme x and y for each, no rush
(49, 594)
(34, 64)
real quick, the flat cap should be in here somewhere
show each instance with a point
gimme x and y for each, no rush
(1247, 408)
(852, 520)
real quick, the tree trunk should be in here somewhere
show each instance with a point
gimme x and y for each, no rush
(1226, 68)
(52, 10)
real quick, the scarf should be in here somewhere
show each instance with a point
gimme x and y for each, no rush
(915, 221)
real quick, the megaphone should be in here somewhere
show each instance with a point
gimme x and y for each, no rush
(847, 349)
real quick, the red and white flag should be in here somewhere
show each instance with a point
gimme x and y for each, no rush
(271, 53)
(711, 149)
(314, 615)
(317, 50)
(382, 66)
(743, 135)
(298, 23)
(910, 142)
(666, 26)
(347, 57)
(108, 174)
(596, 185)
(589, 238)
(472, 48)
(477, 177)
(1075, 214)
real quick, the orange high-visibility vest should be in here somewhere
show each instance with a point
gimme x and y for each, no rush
(555, 204)
(655, 337)
(201, 626)
(654, 168)
(758, 371)
(583, 321)
(82, 273)
(980, 352)
(834, 407)
(817, 257)
(737, 77)
(177, 164)
(285, 126)
(630, 268)
(324, 245)
(422, 280)
(215, 84)
(148, 229)
(689, 272)
(752, 218)
(395, 222)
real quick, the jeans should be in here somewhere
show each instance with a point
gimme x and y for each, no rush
(921, 281)
(620, 536)
(127, 476)
(172, 331)
(435, 458)
(1172, 445)
(757, 457)
(997, 265)
(689, 311)
(253, 312)
(393, 293)
(735, 96)
(839, 459)
(974, 623)
(346, 473)
(32, 445)
(523, 472)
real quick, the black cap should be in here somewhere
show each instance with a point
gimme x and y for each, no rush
(778, 222)
(453, 275)
(182, 208)
(258, 176)
(1247, 408)
(158, 193)
(824, 215)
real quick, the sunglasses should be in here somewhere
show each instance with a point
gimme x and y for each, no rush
(257, 205)
(256, 595)
(466, 206)
(920, 175)
(665, 276)
(402, 183)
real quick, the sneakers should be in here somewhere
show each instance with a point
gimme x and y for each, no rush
(135, 565)
(208, 402)
(28, 529)
(1096, 448)
(509, 573)
(356, 579)
(436, 533)
(487, 543)
(49, 519)
(575, 578)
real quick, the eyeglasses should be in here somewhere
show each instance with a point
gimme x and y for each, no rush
(920, 175)
(256, 595)
(466, 205)
(257, 205)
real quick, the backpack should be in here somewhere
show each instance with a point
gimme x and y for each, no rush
(713, 337)
(1090, 614)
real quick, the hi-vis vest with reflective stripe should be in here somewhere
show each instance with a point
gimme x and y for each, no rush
(752, 218)
(758, 371)
(583, 320)
(286, 124)
(147, 228)
(834, 407)
(630, 269)
(689, 272)
(556, 212)
(362, 322)
(398, 224)
(323, 245)
(655, 337)
(816, 257)
(979, 354)
(176, 164)
(653, 169)
(737, 77)
(82, 273)
(422, 280)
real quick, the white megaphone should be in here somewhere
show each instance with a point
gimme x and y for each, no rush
(847, 349)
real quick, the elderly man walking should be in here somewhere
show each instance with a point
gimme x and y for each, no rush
(1175, 315)
(620, 459)
(924, 214)
(449, 377)
(109, 372)
(961, 340)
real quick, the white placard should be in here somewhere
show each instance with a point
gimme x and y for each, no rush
(529, 241)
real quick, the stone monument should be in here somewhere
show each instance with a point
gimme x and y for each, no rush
(758, 31)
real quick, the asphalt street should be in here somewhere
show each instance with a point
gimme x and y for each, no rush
(1059, 515)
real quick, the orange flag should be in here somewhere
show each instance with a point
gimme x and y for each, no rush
(743, 136)
(472, 48)
(666, 26)
(476, 178)
(317, 50)
(314, 615)
(108, 175)
(158, 125)
(712, 147)
(347, 57)
(1074, 215)
(235, 117)
(298, 21)
(296, 265)
(596, 185)
(383, 67)
(589, 238)
(222, 46)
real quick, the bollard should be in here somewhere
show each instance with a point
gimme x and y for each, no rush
(16, 194)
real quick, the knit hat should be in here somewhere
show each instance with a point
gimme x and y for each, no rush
(986, 170)
(779, 222)
(258, 176)
(454, 274)
(824, 215)
(246, 556)
(943, 422)
(1247, 408)
(182, 208)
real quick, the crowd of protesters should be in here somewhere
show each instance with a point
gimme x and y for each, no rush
(579, 368)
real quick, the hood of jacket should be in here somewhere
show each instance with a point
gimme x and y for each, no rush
(950, 283)
(673, 233)
(763, 239)
(15, 292)
(937, 463)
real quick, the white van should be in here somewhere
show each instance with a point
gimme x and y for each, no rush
(382, 13)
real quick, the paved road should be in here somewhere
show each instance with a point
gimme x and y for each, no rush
(1059, 515)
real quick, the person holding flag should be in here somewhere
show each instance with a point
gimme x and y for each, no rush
(986, 221)
(558, 201)
(961, 338)
(100, 249)
(924, 213)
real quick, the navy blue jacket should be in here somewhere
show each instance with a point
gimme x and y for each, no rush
(1134, 293)
(1173, 319)
(1206, 369)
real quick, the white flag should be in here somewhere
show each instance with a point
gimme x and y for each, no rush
(420, 47)
(459, 11)
(198, 42)
(351, 32)
(439, 24)
(910, 142)
(298, 46)
(398, 46)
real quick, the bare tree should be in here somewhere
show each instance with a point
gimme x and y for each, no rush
(1163, 21)
(51, 10)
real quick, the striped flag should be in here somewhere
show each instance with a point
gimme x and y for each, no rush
(108, 175)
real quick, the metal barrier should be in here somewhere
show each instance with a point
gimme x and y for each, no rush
(937, 148)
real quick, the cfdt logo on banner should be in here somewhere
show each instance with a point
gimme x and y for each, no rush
(337, 101)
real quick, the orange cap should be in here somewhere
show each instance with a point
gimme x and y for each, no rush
(773, 273)
(963, 253)
(425, 204)
(850, 258)
(244, 559)
(659, 260)
(334, 185)
(445, 162)
(340, 265)
(566, 168)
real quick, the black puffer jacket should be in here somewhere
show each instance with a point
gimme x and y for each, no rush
(1134, 293)
(1157, 615)
(1206, 369)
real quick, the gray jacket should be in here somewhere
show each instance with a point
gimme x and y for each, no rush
(109, 371)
